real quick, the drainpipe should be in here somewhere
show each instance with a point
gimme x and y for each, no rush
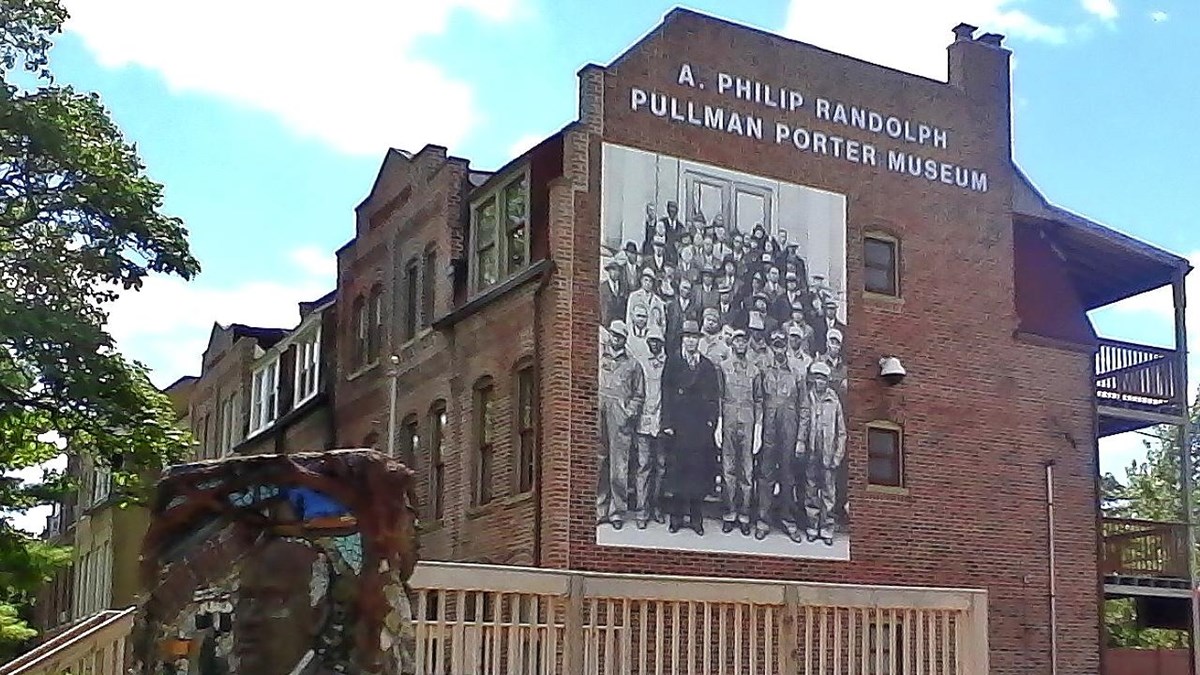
(538, 295)
(393, 375)
(1052, 586)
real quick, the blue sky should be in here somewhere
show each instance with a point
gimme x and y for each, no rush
(267, 125)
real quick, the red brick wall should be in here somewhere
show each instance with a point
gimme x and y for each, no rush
(981, 411)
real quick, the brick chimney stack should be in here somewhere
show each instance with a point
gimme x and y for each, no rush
(979, 66)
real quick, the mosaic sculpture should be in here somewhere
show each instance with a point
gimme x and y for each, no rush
(280, 565)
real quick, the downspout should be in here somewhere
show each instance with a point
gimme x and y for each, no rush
(537, 402)
(1052, 585)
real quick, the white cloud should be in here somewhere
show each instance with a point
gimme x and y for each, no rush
(167, 323)
(1159, 16)
(1105, 10)
(906, 35)
(347, 76)
(525, 142)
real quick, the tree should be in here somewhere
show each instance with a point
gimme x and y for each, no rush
(80, 222)
(1151, 491)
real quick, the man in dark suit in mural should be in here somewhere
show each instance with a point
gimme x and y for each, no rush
(613, 293)
(691, 406)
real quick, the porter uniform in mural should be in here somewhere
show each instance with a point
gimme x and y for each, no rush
(722, 385)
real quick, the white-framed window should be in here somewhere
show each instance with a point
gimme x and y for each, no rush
(500, 233)
(231, 422)
(264, 396)
(308, 367)
(101, 484)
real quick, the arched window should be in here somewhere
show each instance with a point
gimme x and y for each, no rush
(437, 463)
(525, 424)
(429, 286)
(374, 323)
(484, 429)
(361, 324)
(410, 441)
(412, 281)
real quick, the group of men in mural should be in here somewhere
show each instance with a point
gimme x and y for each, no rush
(721, 374)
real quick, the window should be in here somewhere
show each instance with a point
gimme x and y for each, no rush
(374, 324)
(437, 465)
(202, 438)
(362, 325)
(500, 233)
(411, 281)
(429, 287)
(308, 367)
(264, 396)
(885, 465)
(879, 263)
(484, 465)
(526, 431)
(231, 422)
(410, 442)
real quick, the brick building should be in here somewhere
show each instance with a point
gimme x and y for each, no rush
(950, 261)
(495, 307)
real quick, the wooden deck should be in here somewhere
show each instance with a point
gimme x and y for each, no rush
(1136, 386)
(1144, 553)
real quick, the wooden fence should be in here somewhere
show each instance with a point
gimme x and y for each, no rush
(483, 620)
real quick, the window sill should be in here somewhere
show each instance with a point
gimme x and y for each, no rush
(485, 296)
(498, 504)
(888, 490)
(362, 371)
(894, 301)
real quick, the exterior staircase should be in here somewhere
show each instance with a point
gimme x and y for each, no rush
(94, 645)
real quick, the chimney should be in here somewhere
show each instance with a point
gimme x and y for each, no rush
(979, 67)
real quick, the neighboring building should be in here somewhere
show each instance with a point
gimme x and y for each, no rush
(845, 213)
(266, 390)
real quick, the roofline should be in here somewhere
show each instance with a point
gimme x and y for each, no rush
(1130, 243)
(182, 379)
(501, 173)
(677, 10)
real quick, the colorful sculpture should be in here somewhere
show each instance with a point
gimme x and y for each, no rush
(280, 565)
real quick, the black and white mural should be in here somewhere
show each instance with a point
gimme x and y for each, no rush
(722, 377)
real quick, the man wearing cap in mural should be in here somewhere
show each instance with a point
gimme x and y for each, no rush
(782, 307)
(799, 323)
(612, 291)
(672, 222)
(683, 308)
(712, 339)
(622, 393)
(706, 293)
(760, 353)
(758, 308)
(691, 408)
(649, 472)
(836, 361)
(633, 263)
(741, 418)
(638, 330)
(658, 258)
(728, 314)
(781, 422)
(827, 322)
(798, 357)
(823, 448)
(655, 309)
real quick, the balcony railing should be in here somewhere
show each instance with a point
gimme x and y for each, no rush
(1137, 378)
(1144, 549)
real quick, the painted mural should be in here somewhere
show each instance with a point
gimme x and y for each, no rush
(722, 382)
(280, 565)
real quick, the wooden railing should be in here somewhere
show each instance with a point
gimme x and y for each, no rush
(483, 620)
(94, 646)
(1144, 548)
(488, 620)
(1133, 375)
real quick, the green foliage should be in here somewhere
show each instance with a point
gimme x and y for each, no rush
(1150, 491)
(79, 223)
